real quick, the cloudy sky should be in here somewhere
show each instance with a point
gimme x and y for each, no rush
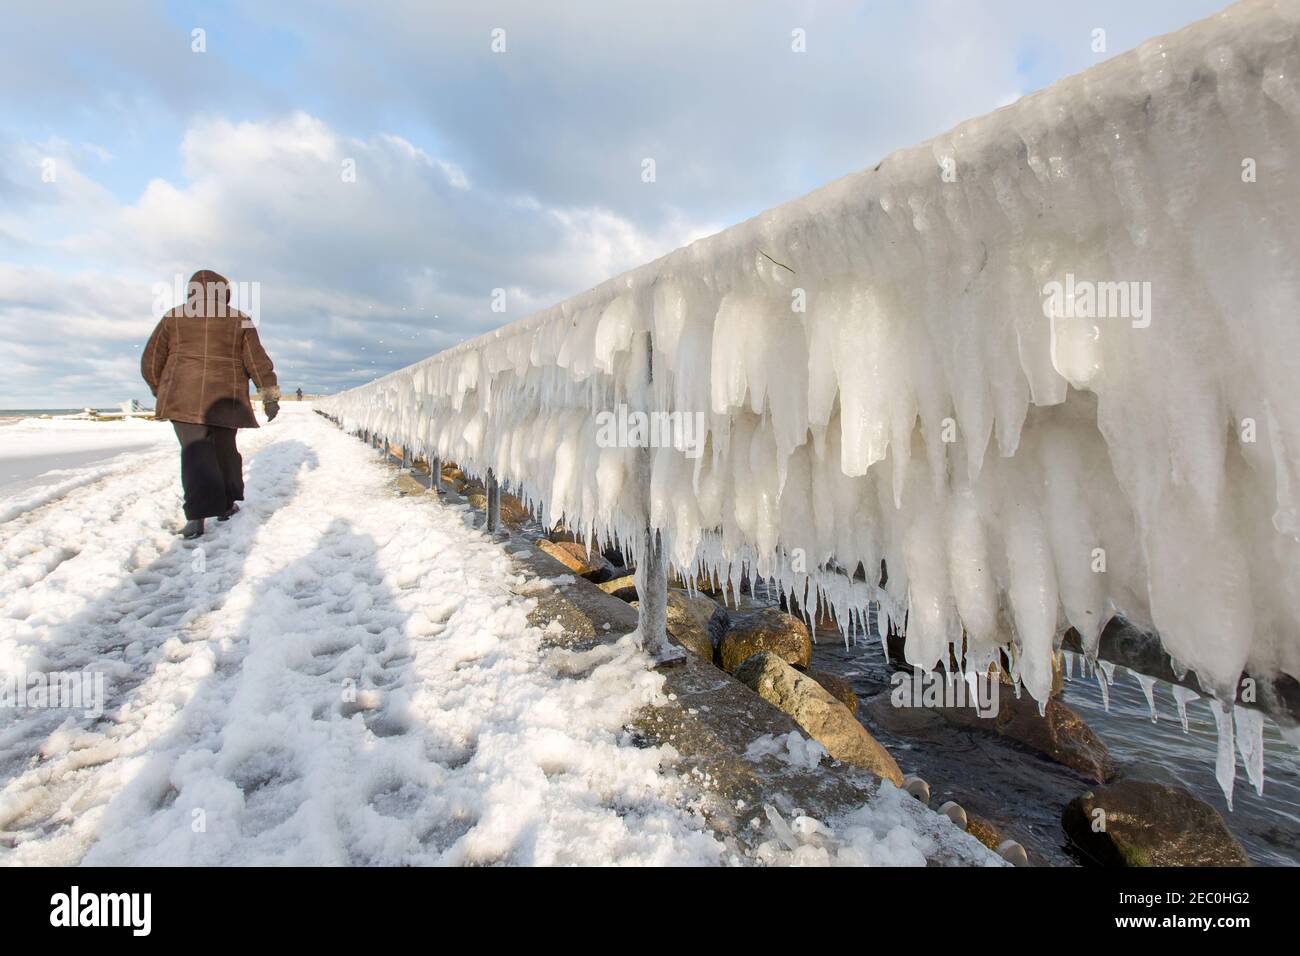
(128, 156)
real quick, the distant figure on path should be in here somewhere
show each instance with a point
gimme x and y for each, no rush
(300, 393)
(198, 363)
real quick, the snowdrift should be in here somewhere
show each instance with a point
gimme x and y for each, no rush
(1043, 367)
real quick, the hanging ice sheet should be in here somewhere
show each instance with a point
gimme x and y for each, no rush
(1044, 366)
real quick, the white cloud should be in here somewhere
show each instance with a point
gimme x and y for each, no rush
(341, 264)
(474, 170)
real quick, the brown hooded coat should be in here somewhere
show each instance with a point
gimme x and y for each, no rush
(201, 356)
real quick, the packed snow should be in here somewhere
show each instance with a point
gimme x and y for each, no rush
(337, 675)
(1043, 366)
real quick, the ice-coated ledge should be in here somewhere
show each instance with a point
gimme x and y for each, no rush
(1044, 366)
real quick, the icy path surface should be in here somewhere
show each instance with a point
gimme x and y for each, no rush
(335, 676)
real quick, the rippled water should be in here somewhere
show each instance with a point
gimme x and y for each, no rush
(1267, 825)
(1023, 793)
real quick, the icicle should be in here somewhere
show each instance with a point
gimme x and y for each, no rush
(1250, 742)
(930, 300)
(1225, 765)
(1148, 690)
(780, 827)
(1105, 689)
(1182, 697)
(1069, 665)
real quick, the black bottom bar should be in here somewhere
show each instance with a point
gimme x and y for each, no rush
(336, 906)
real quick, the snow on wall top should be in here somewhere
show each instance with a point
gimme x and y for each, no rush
(1044, 366)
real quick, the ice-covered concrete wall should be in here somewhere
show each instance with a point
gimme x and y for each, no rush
(1045, 366)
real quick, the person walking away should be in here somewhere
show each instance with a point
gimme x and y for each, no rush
(300, 393)
(198, 363)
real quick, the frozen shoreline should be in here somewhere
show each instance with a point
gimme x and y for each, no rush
(39, 452)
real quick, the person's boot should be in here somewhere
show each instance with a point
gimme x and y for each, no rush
(230, 511)
(193, 528)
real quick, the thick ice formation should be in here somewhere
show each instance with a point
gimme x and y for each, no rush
(1043, 366)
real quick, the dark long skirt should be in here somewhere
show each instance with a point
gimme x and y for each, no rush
(212, 471)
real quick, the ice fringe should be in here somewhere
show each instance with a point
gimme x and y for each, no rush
(910, 387)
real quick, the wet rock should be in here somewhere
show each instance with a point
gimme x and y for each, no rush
(820, 715)
(1059, 733)
(767, 630)
(715, 617)
(825, 620)
(623, 588)
(838, 687)
(1138, 823)
(560, 534)
(578, 559)
(513, 511)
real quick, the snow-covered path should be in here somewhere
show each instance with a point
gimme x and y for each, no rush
(335, 676)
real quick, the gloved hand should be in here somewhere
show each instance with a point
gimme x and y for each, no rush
(272, 409)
